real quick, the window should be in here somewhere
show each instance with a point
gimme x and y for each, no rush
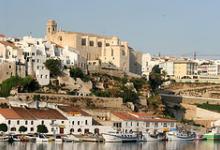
(26, 122)
(131, 123)
(83, 42)
(32, 129)
(9, 66)
(33, 54)
(52, 129)
(72, 122)
(91, 43)
(172, 124)
(99, 44)
(13, 129)
(86, 122)
(9, 121)
(46, 76)
(42, 122)
(137, 123)
(79, 130)
(18, 122)
(107, 44)
(62, 122)
(32, 122)
(78, 122)
(156, 124)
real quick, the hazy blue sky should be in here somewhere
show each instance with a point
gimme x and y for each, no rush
(166, 26)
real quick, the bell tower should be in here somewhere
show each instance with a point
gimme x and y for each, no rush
(51, 28)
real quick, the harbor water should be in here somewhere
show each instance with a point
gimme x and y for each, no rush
(183, 145)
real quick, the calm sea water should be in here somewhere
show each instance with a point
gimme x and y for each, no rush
(198, 145)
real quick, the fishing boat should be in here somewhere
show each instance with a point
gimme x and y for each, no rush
(213, 135)
(180, 136)
(120, 137)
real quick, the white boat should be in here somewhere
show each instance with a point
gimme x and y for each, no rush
(120, 137)
(178, 136)
(13, 138)
(71, 138)
(147, 137)
(41, 138)
(4, 138)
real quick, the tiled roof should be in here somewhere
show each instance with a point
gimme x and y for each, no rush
(73, 110)
(24, 113)
(141, 117)
(31, 113)
(46, 114)
(7, 43)
(9, 113)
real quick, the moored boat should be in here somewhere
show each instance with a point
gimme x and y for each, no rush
(120, 137)
(41, 138)
(180, 136)
(147, 137)
(213, 135)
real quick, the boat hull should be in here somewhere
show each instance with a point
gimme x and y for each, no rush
(212, 136)
(117, 138)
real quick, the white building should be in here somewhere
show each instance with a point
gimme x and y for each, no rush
(168, 67)
(141, 122)
(81, 122)
(30, 118)
(148, 63)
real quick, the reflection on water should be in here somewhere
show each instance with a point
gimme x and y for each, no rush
(194, 145)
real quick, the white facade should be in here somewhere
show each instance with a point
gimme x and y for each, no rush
(137, 126)
(168, 67)
(148, 63)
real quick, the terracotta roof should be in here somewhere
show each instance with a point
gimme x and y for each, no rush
(31, 113)
(46, 114)
(9, 113)
(141, 117)
(7, 43)
(24, 113)
(73, 110)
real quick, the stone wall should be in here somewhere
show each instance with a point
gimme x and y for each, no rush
(78, 101)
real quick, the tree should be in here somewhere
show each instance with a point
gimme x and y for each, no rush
(22, 129)
(36, 97)
(42, 129)
(76, 72)
(3, 127)
(155, 78)
(55, 67)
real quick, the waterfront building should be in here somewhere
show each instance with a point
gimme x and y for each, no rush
(141, 122)
(30, 118)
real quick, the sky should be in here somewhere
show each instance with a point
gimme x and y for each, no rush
(168, 27)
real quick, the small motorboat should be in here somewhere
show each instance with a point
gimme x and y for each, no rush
(13, 138)
(71, 138)
(180, 136)
(148, 137)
